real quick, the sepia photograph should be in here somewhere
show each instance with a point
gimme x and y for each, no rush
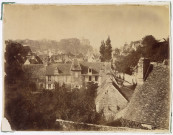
(87, 67)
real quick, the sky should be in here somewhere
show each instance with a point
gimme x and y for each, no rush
(123, 23)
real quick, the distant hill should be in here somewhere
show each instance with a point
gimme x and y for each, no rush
(72, 45)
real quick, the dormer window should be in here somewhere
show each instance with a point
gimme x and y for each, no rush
(89, 70)
(49, 78)
(56, 71)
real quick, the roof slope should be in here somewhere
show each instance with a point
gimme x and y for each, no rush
(109, 98)
(35, 70)
(127, 91)
(150, 103)
(95, 66)
(75, 66)
(64, 69)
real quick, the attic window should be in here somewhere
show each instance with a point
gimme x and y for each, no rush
(49, 78)
(56, 71)
(90, 70)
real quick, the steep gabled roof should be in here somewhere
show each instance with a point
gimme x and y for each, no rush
(64, 69)
(95, 66)
(150, 103)
(82, 66)
(109, 100)
(75, 65)
(35, 70)
(106, 84)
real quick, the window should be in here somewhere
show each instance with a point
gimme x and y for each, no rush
(96, 78)
(89, 78)
(90, 70)
(49, 78)
(49, 86)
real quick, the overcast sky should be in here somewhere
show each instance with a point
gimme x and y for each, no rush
(123, 23)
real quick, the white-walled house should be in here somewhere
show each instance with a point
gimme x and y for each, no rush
(74, 74)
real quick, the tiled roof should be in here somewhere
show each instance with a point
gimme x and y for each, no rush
(109, 99)
(127, 92)
(150, 103)
(35, 70)
(64, 69)
(111, 82)
(75, 65)
(95, 66)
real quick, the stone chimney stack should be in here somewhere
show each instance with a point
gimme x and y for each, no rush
(142, 68)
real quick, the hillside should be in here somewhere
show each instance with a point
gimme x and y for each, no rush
(150, 103)
(73, 45)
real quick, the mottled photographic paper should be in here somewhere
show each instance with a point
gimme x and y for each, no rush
(87, 67)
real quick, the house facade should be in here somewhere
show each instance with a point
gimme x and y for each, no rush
(75, 74)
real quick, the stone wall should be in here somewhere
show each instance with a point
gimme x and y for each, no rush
(65, 125)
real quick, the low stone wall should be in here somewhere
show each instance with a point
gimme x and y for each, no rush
(65, 125)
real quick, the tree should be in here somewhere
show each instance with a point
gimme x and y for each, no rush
(108, 50)
(149, 43)
(32, 86)
(102, 51)
(117, 52)
(14, 58)
(149, 40)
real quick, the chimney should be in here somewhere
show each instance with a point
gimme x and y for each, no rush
(142, 69)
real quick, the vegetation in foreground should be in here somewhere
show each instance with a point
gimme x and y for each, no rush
(27, 110)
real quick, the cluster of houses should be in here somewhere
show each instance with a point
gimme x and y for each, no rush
(72, 70)
(114, 91)
(31, 57)
(68, 57)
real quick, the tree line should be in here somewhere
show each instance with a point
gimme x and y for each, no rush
(106, 50)
(155, 50)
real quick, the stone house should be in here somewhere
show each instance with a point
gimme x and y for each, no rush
(112, 97)
(74, 74)
(142, 70)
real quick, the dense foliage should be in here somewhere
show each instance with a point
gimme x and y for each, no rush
(77, 105)
(15, 55)
(156, 51)
(72, 45)
(106, 50)
(26, 108)
(102, 51)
